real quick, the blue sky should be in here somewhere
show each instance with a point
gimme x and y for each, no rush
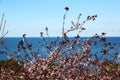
(32, 16)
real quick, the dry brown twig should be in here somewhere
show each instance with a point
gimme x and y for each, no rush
(2, 27)
(78, 25)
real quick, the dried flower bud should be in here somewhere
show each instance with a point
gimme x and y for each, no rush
(103, 33)
(103, 40)
(83, 21)
(24, 35)
(77, 36)
(83, 28)
(88, 18)
(41, 34)
(46, 28)
(30, 45)
(67, 8)
(111, 47)
(104, 51)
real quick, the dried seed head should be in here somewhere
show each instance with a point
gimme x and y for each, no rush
(24, 35)
(103, 33)
(46, 28)
(67, 8)
(41, 34)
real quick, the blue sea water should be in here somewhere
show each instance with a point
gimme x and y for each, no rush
(11, 43)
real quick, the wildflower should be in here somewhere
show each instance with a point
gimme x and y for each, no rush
(21, 77)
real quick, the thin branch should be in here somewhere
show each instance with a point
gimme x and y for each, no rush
(3, 36)
(1, 22)
(3, 28)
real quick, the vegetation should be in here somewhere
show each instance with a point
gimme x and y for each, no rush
(68, 59)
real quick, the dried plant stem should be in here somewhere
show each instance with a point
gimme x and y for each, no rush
(63, 29)
(2, 30)
(1, 22)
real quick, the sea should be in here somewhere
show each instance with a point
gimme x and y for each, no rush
(10, 44)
